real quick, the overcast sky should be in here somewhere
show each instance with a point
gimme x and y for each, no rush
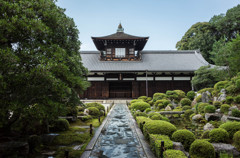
(164, 21)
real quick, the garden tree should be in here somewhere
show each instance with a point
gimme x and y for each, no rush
(206, 76)
(41, 73)
(200, 36)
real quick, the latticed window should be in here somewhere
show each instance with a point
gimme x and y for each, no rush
(109, 51)
(120, 52)
(131, 51)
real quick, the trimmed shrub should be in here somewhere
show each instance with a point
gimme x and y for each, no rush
(148, 110)
(224, 108)
(144, 98)
(166, 102)
(180, 94)
(61, 125)
(93, 111)
(159, 96)
(155, 143)
(217, 104)
(138, 113)
(185, 137)
(237, 99)
(172, 95)
(220, 85)
(209, 109)
(229, 99)
(96, 105)
(185, 101)
(191, 95)
(218, 135)
(85, 118)
(188, 113)
(201, 149)
(186, 107)
(231, 128)
(235, 113)
(206, 89)
(170, 153)
(140, 120)
(238, 84)
(236, 140)
(199, 98)
(205, 134)
(71, 111)
(136, 100)
(150, 103)
(140, 106)
(201, 107)
(158, 127)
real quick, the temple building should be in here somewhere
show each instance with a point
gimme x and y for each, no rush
(122, 69)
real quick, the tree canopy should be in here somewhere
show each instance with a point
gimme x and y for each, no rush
(40, 65)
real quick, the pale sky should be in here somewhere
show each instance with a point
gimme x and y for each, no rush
(164, 21)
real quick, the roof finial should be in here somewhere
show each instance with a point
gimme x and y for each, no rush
(120, 28)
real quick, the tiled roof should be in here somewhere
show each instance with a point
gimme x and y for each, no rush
(161, 61)
(119, 36)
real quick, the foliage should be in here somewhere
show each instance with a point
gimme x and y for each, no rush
(237, 99)
(201, 149)
(158, 127)
(217, 104)
(231, 128)
(141, 120)
(206, 76)
(188, 113)
(224, 108)
(155, 143)
(209, 109)
(85, 118)
(144, 98)
(140, 106)
(205, 90)
(173, 154)
(185, 101)
(235, 113)
(220, 85)
(136, 100)
(172, 95)
(199, 98)
(96, 105)
(218, 135)
(236, 140)
(159, 96)
(138, 113)
(185, 137)
(93, 111)
(201, 107)
(186, 107)
(191, 95)
(229, 99)
(205, 134)
(40, 63)
(60, 125)
(161, 103)
(148, 110)
(180, 93)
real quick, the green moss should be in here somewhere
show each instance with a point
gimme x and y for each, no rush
(218, 135)
(135, 101)
(148, 110)
(229, 99)
(236, 140)
(138, 113)
(220, 85)
(199, 98)
(188, 113)
(181, 94)
(140, 106)
(186, 107)
(201, 107)
(159, 96)
(184, 136)
(235, 113)
(191, 95)
(217, 104)
(141, 120)
(206, 89)
(170, 153)
(205, 134)
(209, 109)
(231, 128)
(155, 143)
(224, 108)
(201, 149)
(185, 101)
(237, 99)
(93, 111)
(158, 127)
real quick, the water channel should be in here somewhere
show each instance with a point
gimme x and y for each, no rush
(118, 138)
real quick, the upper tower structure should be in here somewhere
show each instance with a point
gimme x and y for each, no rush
(120, 46)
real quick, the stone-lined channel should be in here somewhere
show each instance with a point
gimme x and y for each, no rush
(118, 138)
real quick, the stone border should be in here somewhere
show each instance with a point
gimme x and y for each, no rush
(147, 150)
(94, 139)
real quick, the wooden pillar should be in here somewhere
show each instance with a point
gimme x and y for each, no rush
(105, 90)
(135, 89)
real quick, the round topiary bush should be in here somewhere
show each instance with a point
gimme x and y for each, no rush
(140, 120)
(144, 98)
(93, 111)
(185, 137)
(238, 83)
(209, 109)
(158, 127)
(136, 100)
(188, 113)
(166, 102)
(229, 99)
(217, 104)
(186, 107)
(235, 113)
(201, 107)
(220, 85)
(231, 128)
(237, 99)
(170, 153)
(199, 98)
(61, 125)
(180, 94)
(172, 95)
(140, 106)
(191, 95)
(236, 140)
(138, 113)
(159, 96)
(156, 117)
(201, 149)
(224, 108)
(96, 105)
(148, 110)
(218, 135)
(185, 101)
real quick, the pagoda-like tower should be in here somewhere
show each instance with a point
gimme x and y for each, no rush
(120, 46)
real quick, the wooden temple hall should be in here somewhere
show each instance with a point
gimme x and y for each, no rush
(122, 69)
